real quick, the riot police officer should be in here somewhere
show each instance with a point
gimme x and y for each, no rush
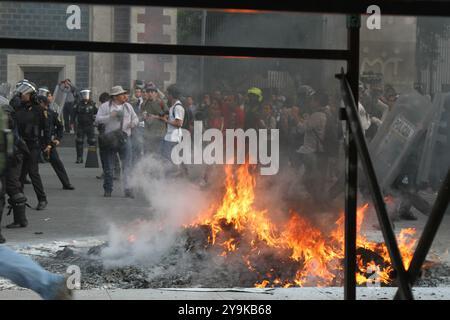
(34, 130)
(15, 159)
(84, 115)
(56, 132)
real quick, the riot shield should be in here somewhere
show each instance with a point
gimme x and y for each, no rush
(398, 135)
(3, 101)
(59, 99)
(5, 90)
(436, 138)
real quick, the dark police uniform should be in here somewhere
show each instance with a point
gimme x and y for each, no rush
(11, 180)
(84, 115)
(56, 132)
(33, 129)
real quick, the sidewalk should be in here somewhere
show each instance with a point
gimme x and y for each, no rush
(332, 293)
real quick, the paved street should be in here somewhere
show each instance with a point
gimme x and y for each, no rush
(83, 212)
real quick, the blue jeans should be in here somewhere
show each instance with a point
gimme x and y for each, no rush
(166, 149)
(125, 157)
(28, 274)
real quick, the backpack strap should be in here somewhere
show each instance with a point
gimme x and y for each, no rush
(178, 103)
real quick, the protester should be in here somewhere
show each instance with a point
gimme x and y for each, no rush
(119, 118)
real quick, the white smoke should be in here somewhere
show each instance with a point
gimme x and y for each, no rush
(174, 202)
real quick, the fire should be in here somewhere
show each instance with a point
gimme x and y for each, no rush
(294, 253)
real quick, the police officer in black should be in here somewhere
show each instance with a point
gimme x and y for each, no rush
(56, 132)
(11, 181)
(33, 129)
(84, 115)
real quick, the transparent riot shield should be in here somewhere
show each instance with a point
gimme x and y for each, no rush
(398, 136)
(435, 142)
(59, 99)
(3, 100)
(5, 90)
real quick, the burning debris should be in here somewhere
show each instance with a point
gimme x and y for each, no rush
(295, 253)
(236, 244)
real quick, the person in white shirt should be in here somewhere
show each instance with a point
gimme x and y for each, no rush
(174, 121)
(117, 114)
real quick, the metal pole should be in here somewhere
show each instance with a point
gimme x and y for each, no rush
(385, 224)
(430, 231)
(351, 168)
(202, 61)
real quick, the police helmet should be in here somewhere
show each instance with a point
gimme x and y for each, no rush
(43, 91)
(25, 87)
(257, 92)
(85, 94)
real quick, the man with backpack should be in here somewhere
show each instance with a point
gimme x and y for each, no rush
(174, 120)
(320, 141)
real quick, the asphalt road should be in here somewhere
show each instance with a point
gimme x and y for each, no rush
(72, 214)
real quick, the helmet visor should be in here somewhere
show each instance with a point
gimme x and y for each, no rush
(85, 94)
(25, 88)
(43, 92)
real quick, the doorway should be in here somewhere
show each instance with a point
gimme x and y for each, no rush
(43, 76)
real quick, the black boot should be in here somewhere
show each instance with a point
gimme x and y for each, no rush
(42, 205)
(20, 218)
(79, 160)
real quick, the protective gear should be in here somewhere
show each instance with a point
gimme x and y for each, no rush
(85, 113)
(398, 136)
(257, 92)
(26, 87)
(85, 94)
(43, 91)
(17, 204)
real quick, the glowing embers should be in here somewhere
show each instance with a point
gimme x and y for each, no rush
(290, 253)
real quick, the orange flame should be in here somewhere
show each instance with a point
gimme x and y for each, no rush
(317, 257)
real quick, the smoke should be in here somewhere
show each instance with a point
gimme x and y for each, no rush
(173, 201)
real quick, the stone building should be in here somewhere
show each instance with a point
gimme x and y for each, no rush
(100, 71)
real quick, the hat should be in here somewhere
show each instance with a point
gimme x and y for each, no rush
(117, 90)
(139, 84)
(151, 87)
